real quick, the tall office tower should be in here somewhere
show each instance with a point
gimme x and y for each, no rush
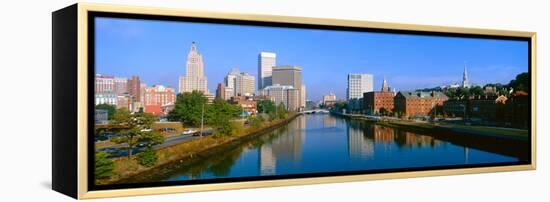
(290, 76)
(359, 84)
(230, 82)
(194, 79)
(245, 84)
(239, 83)
(134, 88)
(266, 62)
(220, 91)
(465, 82)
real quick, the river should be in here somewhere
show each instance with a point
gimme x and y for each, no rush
(317, 143)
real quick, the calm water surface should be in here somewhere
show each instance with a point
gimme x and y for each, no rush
(325, 143)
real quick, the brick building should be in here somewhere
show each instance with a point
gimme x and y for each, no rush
(418, 103)
(158, 96)
(378, 102)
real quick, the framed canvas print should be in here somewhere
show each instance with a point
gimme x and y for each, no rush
(156, 100)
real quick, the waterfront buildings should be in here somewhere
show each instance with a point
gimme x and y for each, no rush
(194, 79)
(266, 62)
(156, 97)
(285, 94)
(379, 102)
(287, 75)
(245, 84)
(418, 103)
(329, 100)
(238, 84)
(291, 76)
(248, 104)
(359, 84)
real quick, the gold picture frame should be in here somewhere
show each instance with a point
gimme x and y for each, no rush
(78, 187)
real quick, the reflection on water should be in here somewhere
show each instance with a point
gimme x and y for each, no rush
(325, 143)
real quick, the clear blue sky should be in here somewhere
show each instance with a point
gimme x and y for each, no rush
(157, 52)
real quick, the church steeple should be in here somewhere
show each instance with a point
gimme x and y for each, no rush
(465, 82)
(385, 87)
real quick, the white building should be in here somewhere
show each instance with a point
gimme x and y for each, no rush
(194, 79)
(245, 84)
(266, 62)
(288, 95)
(239, 83)
(359, 84)
(104, 83)
(109, 98)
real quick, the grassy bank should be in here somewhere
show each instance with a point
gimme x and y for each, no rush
(126, 168)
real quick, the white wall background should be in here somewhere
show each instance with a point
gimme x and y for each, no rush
(25, 77)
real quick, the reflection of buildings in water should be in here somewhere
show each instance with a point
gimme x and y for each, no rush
(466, 158)
(285, 146)
(359, 146)
(329, 121)
(386, 136)
(383, 135)
(267, 160)
(288, 145)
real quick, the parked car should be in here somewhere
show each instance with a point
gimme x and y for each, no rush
(189, 132)
(167, 130)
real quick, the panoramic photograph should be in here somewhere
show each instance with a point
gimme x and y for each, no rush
(195, 102)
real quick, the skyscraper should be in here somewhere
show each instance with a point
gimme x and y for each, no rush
(239, 83)
(194, 78)
(465, 82)
(290, 76)
(266, 62)
(245, 84)
(359, 84)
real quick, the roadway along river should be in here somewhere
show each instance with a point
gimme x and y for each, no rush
(324, 143)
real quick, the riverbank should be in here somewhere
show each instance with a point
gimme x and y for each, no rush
(188, 152)
(505, 141)
(487, 131)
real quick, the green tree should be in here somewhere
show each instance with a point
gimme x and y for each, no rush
(282, 113)
(103, 165)
(522, 82)
(188, 108)
(477, 91)
(266, 106)
(135, 128)
(256, 122)
(148, 157)
(110, 109)
(219, 115)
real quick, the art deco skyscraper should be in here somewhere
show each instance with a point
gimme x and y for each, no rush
(194, 79)
(266, 62)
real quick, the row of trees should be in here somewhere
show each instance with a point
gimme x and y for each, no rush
(131, 129)
(192, 109)
(520, 83)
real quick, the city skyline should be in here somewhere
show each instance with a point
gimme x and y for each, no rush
(156, 51)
